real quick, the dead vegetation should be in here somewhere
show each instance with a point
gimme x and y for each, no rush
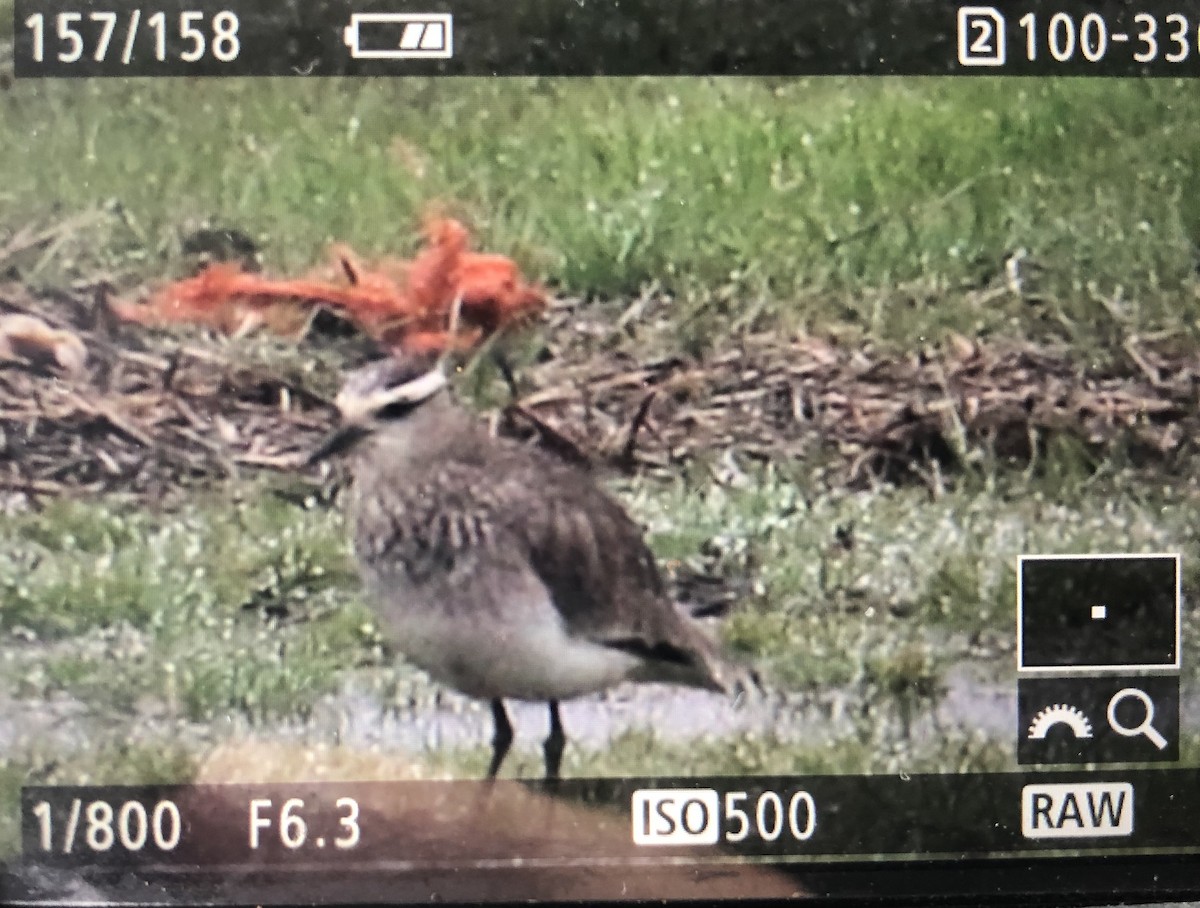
(888, 415)
(139, 417)
(145, 413)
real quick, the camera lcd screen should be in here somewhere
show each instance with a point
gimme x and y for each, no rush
(560, 451)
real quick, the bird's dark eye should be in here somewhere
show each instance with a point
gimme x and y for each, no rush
(396, 410)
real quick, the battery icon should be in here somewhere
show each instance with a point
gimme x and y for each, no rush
(400, 36)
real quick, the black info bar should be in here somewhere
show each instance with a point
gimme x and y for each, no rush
(605, 821)
(1056, 833)
(90, 38)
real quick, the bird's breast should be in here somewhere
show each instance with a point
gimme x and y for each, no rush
(515, 647)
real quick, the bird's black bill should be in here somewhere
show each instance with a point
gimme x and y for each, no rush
(339, 441)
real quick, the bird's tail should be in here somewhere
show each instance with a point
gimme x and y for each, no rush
(727, 676)
(699, 663)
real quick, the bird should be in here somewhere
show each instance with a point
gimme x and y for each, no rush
(500, 569)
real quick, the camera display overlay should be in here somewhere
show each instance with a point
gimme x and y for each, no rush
(536, 452)
(1095, 613)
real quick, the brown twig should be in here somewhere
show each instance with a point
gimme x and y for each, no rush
(626, 458)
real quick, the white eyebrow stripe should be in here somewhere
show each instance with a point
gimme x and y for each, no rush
(358, 407)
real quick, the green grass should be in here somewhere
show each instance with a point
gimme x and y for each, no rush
(867, 205)
(191, 612)
(922, 569)
(188, 608)
(884, 210)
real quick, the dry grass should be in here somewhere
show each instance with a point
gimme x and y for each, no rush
(149, 412)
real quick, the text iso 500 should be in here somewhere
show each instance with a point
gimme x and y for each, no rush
(104, 36)
(702, 816)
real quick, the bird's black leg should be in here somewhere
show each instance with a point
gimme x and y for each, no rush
(502, 739)
(506, 371)
(555, 742)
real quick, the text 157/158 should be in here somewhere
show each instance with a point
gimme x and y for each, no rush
(103, 35)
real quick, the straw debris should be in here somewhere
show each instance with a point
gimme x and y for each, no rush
(145, 414)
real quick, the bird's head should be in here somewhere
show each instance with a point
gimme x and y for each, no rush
(381, 394)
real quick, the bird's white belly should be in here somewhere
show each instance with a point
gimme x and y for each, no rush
(485, 656)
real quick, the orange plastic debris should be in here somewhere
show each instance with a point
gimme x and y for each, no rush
(404, 304)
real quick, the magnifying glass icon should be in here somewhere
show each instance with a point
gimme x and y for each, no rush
(1145, 727)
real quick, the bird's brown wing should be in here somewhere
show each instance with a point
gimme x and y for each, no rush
(601, 575)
